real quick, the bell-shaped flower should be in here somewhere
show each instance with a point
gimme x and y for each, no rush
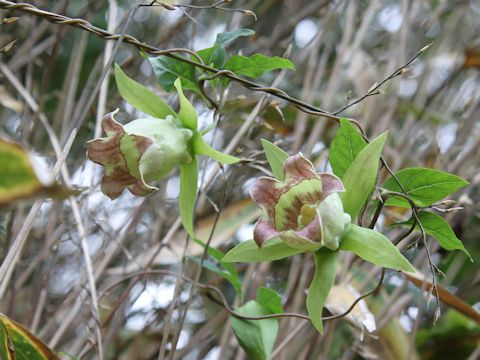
(304, 210)
(137, 153)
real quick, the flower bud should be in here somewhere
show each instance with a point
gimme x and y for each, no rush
(334, 220)
(138, 153)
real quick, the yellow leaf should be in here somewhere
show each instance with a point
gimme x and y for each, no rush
(19, 180)
(22, 344)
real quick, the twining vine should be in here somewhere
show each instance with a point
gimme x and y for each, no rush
(184, 126)
(302, 106)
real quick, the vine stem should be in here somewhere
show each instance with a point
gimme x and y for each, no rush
(172, 53)
(208, 290)
(85, 25)
(433, 268)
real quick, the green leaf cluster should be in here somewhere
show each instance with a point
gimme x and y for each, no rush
(168, 69)
(426, 187)
(356, 163)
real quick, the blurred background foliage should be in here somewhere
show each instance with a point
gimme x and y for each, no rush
(340, 49)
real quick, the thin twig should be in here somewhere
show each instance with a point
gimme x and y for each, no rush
(214, 6)
(199, 268)
(374, 89)
(433, 267)
(89, 270)
(360, 298)
(168, 318)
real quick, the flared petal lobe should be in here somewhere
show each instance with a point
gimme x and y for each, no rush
(265, 193)
(297, 168)
(108, 152)
(330, 184)
(263, 232)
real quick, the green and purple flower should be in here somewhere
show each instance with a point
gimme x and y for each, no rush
(304, 210)
(137, 153)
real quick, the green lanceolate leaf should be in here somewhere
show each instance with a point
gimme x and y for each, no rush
(218, 255)
(276, 158)
(345, 147)
(256, 65)
(436, 226)
(140, 97)
(270, 300)
(19, 180)
(167, 70)
(224, 269)
(360, 178)
(424, 186)
(248, 251)
(23, 344)
(322, 282)
(202, 148)
(226, 38)
(188, 194)
(373, 247)
(209, 265)
(256, 337)
(187, 113)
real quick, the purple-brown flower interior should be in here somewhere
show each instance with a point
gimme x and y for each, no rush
(290, 206)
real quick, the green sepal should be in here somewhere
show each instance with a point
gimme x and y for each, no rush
(248, 251)
(141, 97)
(187, 113)
(200, 147)
(188, 194)
(322, 282)
(276, 158)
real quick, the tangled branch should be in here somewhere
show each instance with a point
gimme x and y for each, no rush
(152, 50)
(196, 61)
(209, 290)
